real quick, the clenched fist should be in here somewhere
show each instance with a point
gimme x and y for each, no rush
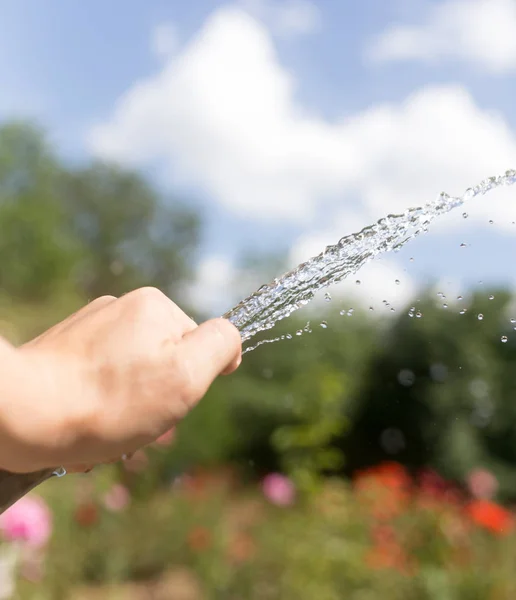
(108, 380)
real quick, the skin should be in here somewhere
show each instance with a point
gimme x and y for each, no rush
(108, 380)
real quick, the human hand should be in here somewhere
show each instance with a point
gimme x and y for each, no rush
(113, 377)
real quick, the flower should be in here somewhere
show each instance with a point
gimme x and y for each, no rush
(384, 489)
(199, 539)
(435, 493)
(388, 556)
(117, 498)
(388, 474)
(29, 520)
(491, 516)
(87, 514)
(482, 484)
(278, 489)
(242, 547)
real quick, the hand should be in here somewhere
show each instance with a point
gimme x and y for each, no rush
(112, 378)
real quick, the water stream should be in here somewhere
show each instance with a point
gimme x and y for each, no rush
(284, 295)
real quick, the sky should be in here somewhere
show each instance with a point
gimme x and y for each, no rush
(288, 123)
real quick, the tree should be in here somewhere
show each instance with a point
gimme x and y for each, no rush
(37, 252)
(131, 236)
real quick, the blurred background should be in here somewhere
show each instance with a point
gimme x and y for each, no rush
(205, 148)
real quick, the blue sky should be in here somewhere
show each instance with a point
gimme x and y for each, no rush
(290, 123)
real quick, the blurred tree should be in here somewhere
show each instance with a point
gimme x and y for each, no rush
(38, 253)
(95, 230)
(132, 237)
(440, 391)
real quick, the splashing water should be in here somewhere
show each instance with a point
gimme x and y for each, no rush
(286, 294)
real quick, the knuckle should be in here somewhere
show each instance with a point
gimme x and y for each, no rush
(102, 300)
(147, 298)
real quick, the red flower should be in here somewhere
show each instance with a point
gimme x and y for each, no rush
(384, 489)
(389, 555)
(87, 514)
(242, 548)
(199, 539)
(491, 516)
(388, 474)
(435, 493)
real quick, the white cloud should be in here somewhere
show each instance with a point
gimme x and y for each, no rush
(218, 285)
(287, 18)
(480, 32)
(222, 115)
(164, 40)
(208, 292)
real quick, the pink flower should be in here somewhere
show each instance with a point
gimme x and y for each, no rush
(482, 484)
(117, 498)
(278, 489)
(29, 520)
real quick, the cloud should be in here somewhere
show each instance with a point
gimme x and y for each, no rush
(479, 32)
(164, 40)
(208, 292)
(222, 115)
(289, 18)
(218, 285)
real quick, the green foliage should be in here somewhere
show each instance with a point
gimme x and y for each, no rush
(92, 231)
(130, 236)
(455, 410)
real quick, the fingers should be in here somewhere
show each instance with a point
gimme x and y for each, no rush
(213, 348)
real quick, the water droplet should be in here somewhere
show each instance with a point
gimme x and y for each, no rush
(342, 312)
(299, 332)
(411, 314)
(491, 221)
(327, 297)
(459, 298)
(445, 306)
(324, 324)
(491, 297)
(463, 311)
(393, 309)
(480, 316)
(513, 321)
(350, 312)
(419, 314)
(504, 339)
(411, 260)
(358, 282)
(463, 245)
(465, 215)
(289, 336)
(397, 281)
(371, 308)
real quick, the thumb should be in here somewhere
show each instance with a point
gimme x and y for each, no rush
(209, 350)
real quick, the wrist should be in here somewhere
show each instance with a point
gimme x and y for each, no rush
(30, 427)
